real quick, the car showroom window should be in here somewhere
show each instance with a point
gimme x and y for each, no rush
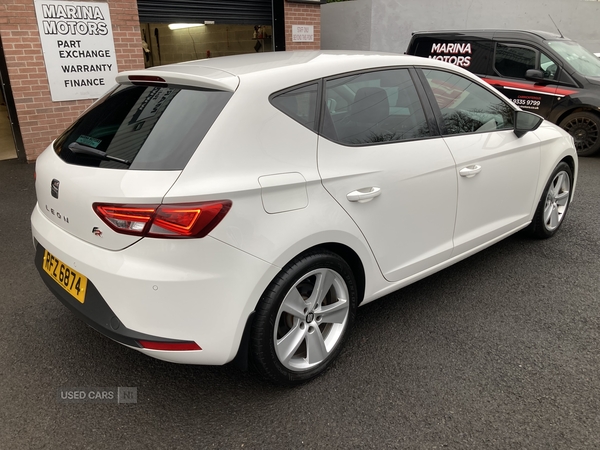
(467, 107)
(300, 104)
(373, 107)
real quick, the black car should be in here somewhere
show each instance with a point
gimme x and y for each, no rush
(541, 72)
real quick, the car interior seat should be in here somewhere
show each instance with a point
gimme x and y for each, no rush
(369, 109)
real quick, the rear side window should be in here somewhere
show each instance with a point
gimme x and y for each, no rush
(143, 128)
(373, 107)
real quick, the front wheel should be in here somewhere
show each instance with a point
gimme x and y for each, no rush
(552, 208)
(584, 126)
(303, 318)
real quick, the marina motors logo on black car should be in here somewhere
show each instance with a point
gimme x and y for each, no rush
(458, 53)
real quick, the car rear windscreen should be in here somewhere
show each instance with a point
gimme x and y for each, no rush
(142, 128)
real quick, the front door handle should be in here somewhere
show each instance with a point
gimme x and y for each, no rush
(470, 171)
(364, 195)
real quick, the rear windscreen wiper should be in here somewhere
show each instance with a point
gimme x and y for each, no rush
(85, 150)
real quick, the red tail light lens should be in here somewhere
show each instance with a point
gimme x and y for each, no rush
(170, 346)
(126, 219)
(187, 220)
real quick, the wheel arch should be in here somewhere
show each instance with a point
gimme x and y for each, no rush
(241, 359)
(585, 108)
(353, 260)
(574, 171)
(571, 162)
(345, 252)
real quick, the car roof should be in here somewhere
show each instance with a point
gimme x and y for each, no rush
(317, 60)
(544, 35)
(225, 72)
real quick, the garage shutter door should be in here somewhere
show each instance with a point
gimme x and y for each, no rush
(250, 12)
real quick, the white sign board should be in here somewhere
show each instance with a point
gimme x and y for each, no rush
(79, 51)
(303, 33)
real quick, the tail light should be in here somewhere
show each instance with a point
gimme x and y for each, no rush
(185, 220)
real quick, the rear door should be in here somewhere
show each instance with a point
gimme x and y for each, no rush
(388, 169)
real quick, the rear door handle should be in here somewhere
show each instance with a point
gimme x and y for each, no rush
(364, 195)
(470, 171)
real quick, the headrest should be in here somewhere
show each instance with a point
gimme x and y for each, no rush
(370, 105)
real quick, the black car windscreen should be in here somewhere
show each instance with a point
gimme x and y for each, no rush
(142, 128)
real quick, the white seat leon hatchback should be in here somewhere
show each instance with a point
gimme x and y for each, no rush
(242, 208)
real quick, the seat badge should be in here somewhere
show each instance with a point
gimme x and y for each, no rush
(54, 188)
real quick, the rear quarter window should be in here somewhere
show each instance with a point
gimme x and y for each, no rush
(299, 103)
(142, 127)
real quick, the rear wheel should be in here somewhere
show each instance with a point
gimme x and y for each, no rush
(585, 128)
(303, 318)
(552, 208)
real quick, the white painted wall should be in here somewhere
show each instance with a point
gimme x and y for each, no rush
(347, 25)
(386, 25)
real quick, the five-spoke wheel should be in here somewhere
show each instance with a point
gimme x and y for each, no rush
(311, 319)
(553, 206)
(303, 318)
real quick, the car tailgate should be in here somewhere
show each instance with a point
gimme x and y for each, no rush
(66, 193)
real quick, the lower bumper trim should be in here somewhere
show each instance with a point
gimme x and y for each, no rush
(96, 313)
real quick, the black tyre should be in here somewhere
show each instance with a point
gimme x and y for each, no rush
(303, 318)
(584, 126)
(554, 204)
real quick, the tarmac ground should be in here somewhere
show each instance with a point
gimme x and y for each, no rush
(499, 351)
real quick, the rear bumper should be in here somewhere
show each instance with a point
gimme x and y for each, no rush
(95, 312)
(161, 290)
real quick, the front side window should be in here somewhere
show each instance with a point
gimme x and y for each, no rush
(467, 107)
(142, 127)
(548, 66)
(514, 61)
(373, 107)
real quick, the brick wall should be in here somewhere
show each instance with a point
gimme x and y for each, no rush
(302, 14)
(40, 119)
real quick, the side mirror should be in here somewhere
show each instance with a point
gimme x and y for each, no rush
(534, 74)
(526, 121)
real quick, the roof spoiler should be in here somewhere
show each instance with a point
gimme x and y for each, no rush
(202, 78)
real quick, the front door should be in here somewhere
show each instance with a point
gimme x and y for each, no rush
(497, 171)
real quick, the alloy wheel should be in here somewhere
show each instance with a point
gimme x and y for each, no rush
(311, 319)
(557, 200)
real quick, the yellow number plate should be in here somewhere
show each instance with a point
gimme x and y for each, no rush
(69, 279)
